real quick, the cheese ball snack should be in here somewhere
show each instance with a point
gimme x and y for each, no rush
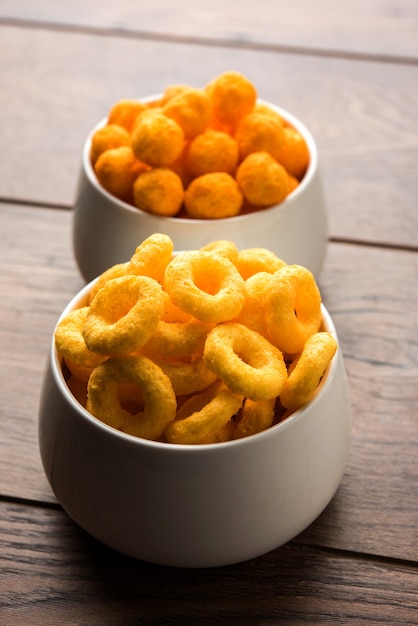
(159, 191)
(125, 112)
(232, 96)
(156, 139)
(262, 180)
(212, 196)
(212, 151)
(117, 169)
(191, 110)
(257, 132)
(110, 136)
(294, 153)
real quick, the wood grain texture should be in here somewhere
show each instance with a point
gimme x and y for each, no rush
(53, 573)
(360, 27)
(375, 507)
(364, 117)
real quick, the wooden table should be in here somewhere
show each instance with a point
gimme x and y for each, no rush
(350, 71)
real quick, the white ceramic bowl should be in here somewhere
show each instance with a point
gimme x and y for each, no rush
(106, 230)
(194, 506)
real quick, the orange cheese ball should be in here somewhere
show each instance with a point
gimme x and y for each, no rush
(212, 151)
(159, 191)
(257, 132)
(117, 169)
(212, 196)
(262, 180)
(156, 139)
(124, 112)
(109, 136)
(191, 110)
(171, 91)
(294, 155)
(232, 96)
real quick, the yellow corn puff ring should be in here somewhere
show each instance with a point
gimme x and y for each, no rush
(202, 415)
(223, 247)
(253, 260)
(246, 362)
(253, 313)
(255, 417)
(115, 271)
(178, 340)
(151, 257)
(308, 369)
(70, 343)
(155, 390)
(186, 376)
(207, 286)
(293, 312)
(123, 315)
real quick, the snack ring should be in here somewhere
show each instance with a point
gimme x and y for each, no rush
(293, 311)
(154, 390)
(255, 417)
(306, 372)
(178, 340)
(151, 257)
(203, 414)
(207, 286)
(69, 340)
(186, 376)
(246, 362)
(123, 315)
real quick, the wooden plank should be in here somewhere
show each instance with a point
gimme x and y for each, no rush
(363, 115)
(375, 508)
(356, 26)
(55, 573)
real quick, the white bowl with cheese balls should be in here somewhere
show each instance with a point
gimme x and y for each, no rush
(194, 506)
(105, 228)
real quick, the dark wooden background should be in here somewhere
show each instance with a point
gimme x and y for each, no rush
(349, 70)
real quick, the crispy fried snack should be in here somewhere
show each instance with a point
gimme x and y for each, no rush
(232, 96)
(253, 260)
(156, 393)
(212, 196)
(107, 137)
(202, 417)
(257, 132)
(306, 372)
(125, 112)
(117, 169)
(207, 286)
(151, 257)
(156, 139)
(123, 315)
(246, 362)
(254, 418)
(294, 154)
(262, 180)
(212, 151)
(159, 191)
(293, 310)
(69, 340)
(191, 109)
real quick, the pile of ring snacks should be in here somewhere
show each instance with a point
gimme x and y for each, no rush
(204, 346)
(206, 153)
